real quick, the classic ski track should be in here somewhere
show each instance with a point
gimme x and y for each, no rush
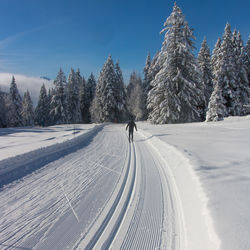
(141, 210)
(162, 227)
(65, 207)
(144, 229)
(173, 228)
(110, 224)
(101, 171)
(24, 226)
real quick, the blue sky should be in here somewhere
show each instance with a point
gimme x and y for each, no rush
(39, 36)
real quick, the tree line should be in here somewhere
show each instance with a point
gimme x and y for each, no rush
(75, 100)
(177, 87)
(188, 89)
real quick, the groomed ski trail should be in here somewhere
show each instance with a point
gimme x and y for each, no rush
(109, 194)
(57, 204)
(145, 216)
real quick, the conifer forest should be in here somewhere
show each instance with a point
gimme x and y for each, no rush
(176, 87)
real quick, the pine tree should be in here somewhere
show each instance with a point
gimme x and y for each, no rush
(120, 95)
(146, 85)
(104, 107)
(50, 96)
(146, 80)
(155, 66)
(215, 57)
(2, 110)
(82, 101)
(78, 78)
(241, 72)
(90, 89)
(136, 105)
(246, 59)
(73, 104)
(132, 83)
(89, 93)
(14, 106)
(204, 62)
(176, 95)
(246, 63)
(58, 104)
(42, 109)
(27, 110)
(216, 107)
(227, 74)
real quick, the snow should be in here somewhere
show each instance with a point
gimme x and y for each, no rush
(184, 186)
(17, 141)
(217, 154)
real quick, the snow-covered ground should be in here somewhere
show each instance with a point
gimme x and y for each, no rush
(182, 186)
(219, 155)
(16, 141)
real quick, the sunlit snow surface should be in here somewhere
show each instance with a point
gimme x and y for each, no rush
(209, 163)
(219, 153)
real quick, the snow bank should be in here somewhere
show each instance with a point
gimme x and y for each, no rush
(196, 219)
(18, 159)
(17, 141)
(210, 165)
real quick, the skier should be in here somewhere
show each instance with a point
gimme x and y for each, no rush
(131, 125)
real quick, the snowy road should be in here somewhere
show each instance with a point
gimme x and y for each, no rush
(106, 194)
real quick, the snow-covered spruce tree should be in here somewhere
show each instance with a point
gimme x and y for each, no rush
(146, 80)
(27, 110)
(215, 57)
(132, 83)
(120, 95)
(246, 59)
(204, 62)
(241, 71)
(2, 110)
(72, 94)
(216, 107)
(50, 95)
(82, 100)
(135, 100)
(42, 109)
(58, 104)
(227, 74)
(14, 106)
(90, 89)
(78, 77)
(155, 66)
(146, 84)
(177, 95)
(104, 107)
(80, 80)
(89, 95)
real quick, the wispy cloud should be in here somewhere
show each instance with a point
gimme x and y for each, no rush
(12, 38)
(6, 41)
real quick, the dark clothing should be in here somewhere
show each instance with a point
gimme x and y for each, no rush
(131, 125)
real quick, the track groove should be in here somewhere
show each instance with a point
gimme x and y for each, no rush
(114, 206)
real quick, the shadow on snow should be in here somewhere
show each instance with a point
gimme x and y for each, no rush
(14, 168)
